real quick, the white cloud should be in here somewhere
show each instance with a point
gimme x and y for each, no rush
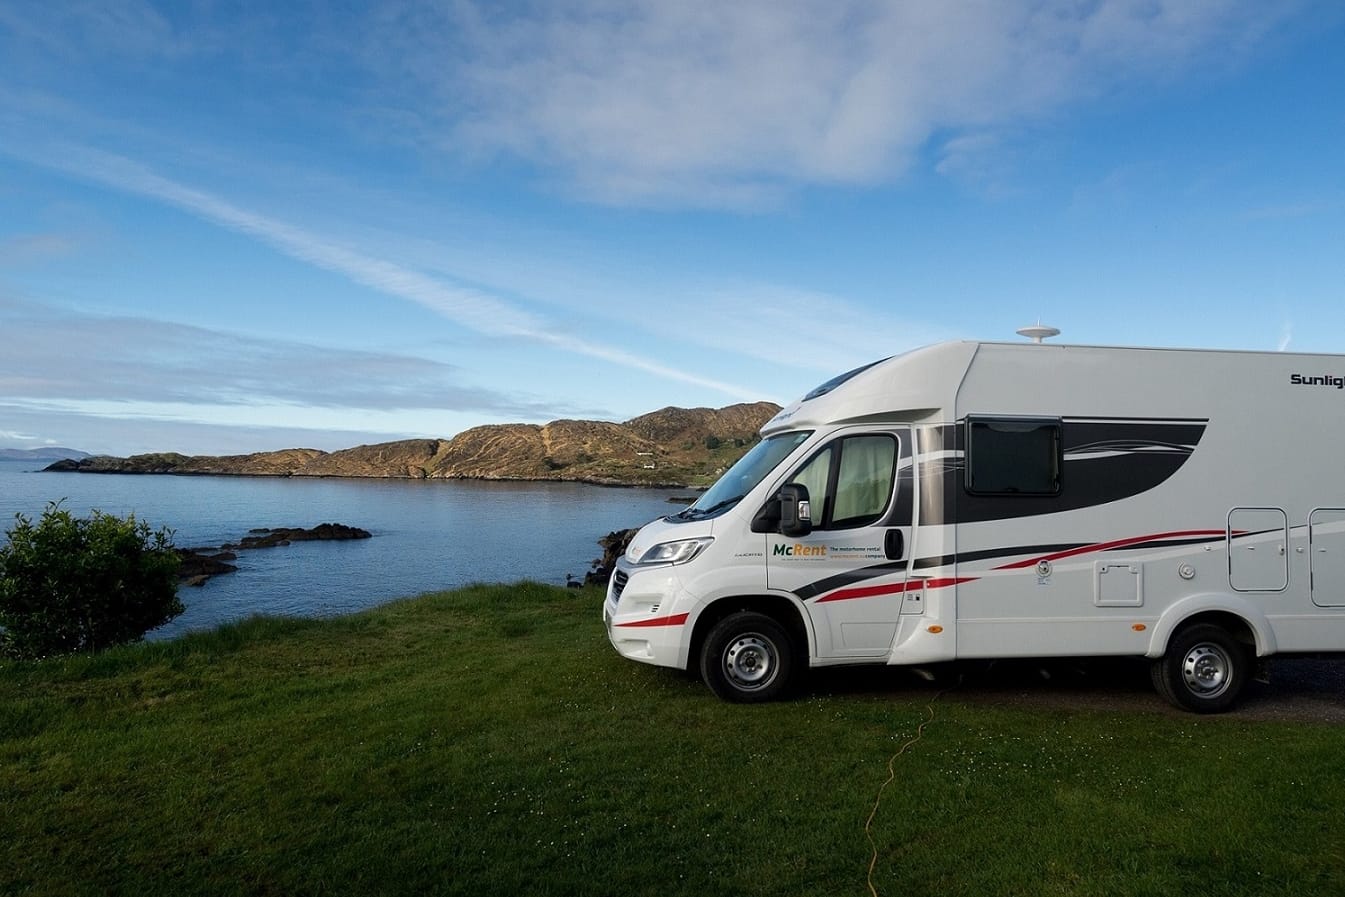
(712, 103)
(693, 102)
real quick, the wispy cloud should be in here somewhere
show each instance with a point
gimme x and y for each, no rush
(980, 161)
(107, 27)
(831, 333)
(1293, 210)
(25, 248)
(472, 308)
(1118, 187)
(67, 356)
(1286, 337)
(112, 431)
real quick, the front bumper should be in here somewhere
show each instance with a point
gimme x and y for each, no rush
(644, 616)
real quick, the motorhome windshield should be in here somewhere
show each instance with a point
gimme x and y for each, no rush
(743, 477)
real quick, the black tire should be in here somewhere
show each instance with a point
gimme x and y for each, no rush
(747, 658)
(1204, 669)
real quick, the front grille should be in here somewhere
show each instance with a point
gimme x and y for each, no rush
(619, 580)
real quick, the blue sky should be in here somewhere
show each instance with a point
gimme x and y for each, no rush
(228, 230)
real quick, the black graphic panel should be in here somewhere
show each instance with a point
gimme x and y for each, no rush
(1104, 461)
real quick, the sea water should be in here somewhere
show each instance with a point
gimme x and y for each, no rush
(427, 534)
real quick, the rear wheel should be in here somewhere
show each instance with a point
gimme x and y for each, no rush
(747, 657)
(1204, 669)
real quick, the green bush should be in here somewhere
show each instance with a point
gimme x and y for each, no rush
(71, 584)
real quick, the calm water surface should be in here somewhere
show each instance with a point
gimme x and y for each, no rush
(427, 535)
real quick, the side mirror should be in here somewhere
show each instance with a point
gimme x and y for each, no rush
(796, 511)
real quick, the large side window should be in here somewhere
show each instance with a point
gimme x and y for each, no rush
(850, 481)
(1013, 456)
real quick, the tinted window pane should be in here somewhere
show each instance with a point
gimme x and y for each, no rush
(1013, 457)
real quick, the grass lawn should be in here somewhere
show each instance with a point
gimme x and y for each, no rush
(489, 741)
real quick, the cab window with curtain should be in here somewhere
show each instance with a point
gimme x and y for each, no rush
(850, 481)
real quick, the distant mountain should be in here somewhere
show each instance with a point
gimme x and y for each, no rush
(671, 447)
(48, 453)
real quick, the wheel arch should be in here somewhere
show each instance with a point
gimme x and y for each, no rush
(786, 611)
(1234, 614)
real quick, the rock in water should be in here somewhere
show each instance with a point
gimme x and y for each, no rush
(613, 546)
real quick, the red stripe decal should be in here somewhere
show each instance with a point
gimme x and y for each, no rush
(1104, 546)
(674, 620)
(894, 588)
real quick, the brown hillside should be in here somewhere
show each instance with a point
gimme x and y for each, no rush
(413, 458)
(281, 463)
(671, 425)
(560, 450)
(674, 446)
(490, 452)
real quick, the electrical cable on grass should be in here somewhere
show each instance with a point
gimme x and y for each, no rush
(891, 776)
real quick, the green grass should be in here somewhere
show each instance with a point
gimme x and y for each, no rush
(488, 741)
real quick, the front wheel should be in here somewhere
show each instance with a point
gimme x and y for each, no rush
(747, 658)
(1204, 669)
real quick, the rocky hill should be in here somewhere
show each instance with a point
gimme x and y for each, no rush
(674, 446)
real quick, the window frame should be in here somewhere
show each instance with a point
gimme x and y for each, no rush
(1056, 461)
(836, 448)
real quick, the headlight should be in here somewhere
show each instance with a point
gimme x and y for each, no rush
(675, 552)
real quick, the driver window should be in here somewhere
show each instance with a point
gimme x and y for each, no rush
(850, 481)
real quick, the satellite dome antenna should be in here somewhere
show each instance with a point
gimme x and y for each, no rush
(1038, 332)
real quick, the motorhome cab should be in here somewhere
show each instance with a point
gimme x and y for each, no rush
(991, 500)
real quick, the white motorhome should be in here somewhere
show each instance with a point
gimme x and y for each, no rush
(994, 500)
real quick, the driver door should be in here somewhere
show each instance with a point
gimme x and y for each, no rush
(850, 571)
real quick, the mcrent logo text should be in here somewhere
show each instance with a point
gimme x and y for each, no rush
(800, 551)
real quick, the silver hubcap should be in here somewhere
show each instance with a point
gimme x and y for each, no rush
(1207, 670)
(749, 661)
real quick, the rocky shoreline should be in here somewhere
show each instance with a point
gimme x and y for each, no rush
(613, 545)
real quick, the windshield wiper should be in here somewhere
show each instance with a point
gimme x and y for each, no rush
(694, 513)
